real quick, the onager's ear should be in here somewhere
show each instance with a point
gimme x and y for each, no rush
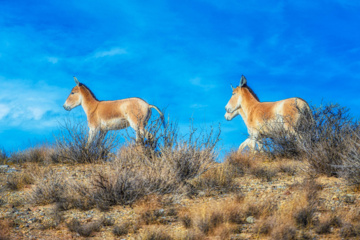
(232, 88)
(76, 81)
(243, 81)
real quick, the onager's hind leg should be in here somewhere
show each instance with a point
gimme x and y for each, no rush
(244, 145)
(251, 143)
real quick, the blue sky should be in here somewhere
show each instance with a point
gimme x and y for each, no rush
(182, 55)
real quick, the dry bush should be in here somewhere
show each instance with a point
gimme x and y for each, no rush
(5, 227)
(124, 228)
(264, 173)
(304, 217)
(350, 168)
(71, 144)
(56, 187)
(154, 233)
(139, 170)
(220, 177)
(207, 222)
(283, 219)
(240, 163)
(187, 221)
(189, 235)
(3, 156)
(84, 230)
(38, 154)
(279, 142)
(323, 227)
(284, 232)
(349, 230)
(16, 181)
(328, 140)
(129, 182)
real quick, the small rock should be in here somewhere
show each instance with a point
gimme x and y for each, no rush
(349, 198)
(250, 219)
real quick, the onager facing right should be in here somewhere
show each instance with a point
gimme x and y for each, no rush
(103, 116)
(262, 117)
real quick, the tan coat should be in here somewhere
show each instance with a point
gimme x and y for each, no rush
(110, 115)
(259, 116)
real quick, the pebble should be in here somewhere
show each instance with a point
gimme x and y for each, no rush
(250, 219)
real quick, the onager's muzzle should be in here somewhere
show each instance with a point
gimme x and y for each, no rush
(67, 108)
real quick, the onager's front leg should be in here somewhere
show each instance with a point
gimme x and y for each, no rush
(92, 134)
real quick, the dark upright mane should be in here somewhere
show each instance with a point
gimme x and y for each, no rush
(86, 87)
(252, 92)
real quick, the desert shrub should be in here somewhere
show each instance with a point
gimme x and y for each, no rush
(187, 221)
(304, 216)
(18, 180)
(349, 230)
(38, 154)
(279, 142)
(329, 138)
(56, 187)
(5, 228)
(130, 182)
(220, 177)
(84, 230)
(323, 139)
(284, 232)
(323, 228)
(72, 139)
(264, 173)
(350, 168)
(240, 163)
(3, 156)
(124, 228)
(153, 233)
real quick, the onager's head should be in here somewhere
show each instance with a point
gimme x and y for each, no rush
(74, 99)
(236, 98)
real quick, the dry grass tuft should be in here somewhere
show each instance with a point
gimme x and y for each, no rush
(125, 228)
(349, 230)
(5, 227)
(154, 233)
(264, 173)
(284, 232)
(84, 230)
(44, 154)
(240, 163)
(17, 181)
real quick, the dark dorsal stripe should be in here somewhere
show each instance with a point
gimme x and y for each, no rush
(252, 92)
(92, 94)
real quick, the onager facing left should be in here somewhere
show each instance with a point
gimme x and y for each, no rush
(262, 117)
(103, 116)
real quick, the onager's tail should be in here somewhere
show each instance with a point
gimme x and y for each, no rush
(161, 114)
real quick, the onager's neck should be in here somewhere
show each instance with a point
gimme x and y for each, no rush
(89, 103)
(248, 101)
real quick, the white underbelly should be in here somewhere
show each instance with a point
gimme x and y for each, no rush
(114, 124)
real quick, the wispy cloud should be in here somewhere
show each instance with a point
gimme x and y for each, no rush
(109, 53)
(25, 105)
(198, 82)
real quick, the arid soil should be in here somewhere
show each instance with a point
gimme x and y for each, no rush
(282, 202)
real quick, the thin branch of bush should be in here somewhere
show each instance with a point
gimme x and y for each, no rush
(71, 141)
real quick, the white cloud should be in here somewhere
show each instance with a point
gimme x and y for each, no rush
(109, 53)
(52, 60)
(199, 83)
(26, 105)
(197, 106)
(4, 110)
